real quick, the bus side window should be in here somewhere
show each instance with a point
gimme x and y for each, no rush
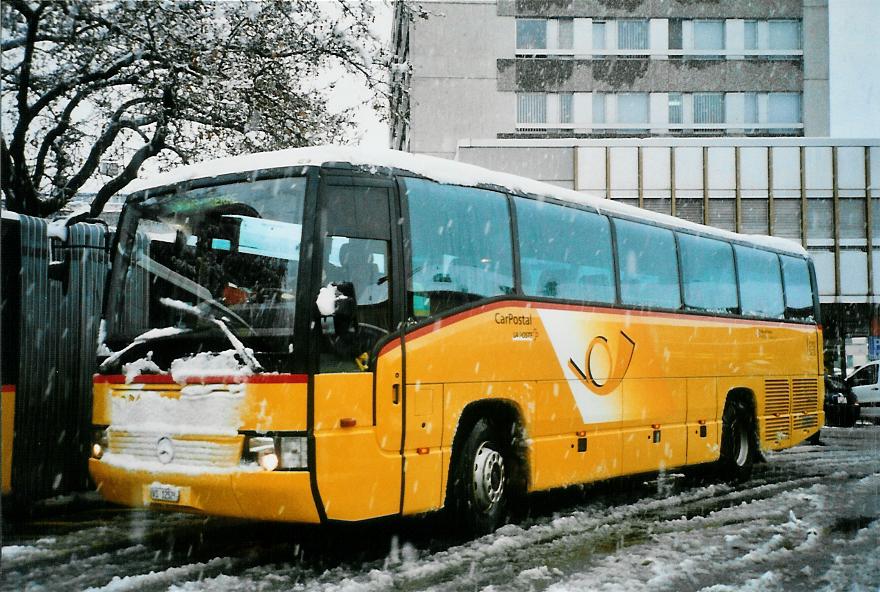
(356, 257)
(707, 274)
(798, 288)
(760, 282)
(647, 264)
(564, 252)
(364, 264)
(461, 246)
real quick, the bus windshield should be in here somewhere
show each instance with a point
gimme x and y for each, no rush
(219, 260)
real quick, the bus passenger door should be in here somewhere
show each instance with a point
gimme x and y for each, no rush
(358, 383)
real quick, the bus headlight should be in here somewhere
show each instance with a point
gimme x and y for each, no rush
(100, 442)
(278, 452)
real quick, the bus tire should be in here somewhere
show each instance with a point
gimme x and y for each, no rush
(481, 480)
(738, 447)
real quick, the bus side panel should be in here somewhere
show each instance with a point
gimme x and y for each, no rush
(703, 421)
(423, 453)
(558, 457)
(7, 429)
(358, 478)
(557, 461)
(654, 434)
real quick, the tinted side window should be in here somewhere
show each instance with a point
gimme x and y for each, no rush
(707, 274)
(865, 377)
(798, 289)
(647, 265)
(760, 282)
(461, 246)
(564, 252)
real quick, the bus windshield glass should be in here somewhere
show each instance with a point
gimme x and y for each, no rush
(219, 260)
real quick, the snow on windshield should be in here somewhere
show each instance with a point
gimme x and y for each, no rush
(206, 364)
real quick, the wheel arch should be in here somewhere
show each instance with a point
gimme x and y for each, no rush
(506, 414)
(748, 398)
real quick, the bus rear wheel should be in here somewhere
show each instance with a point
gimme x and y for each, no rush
(737, 441)
(481, 480)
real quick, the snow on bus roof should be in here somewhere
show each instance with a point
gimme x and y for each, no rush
(440, 170)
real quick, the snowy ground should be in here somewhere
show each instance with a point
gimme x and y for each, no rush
(809, 519)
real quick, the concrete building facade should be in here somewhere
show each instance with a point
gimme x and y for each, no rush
(612, 68)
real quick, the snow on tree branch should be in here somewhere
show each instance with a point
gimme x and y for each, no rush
(122, 81)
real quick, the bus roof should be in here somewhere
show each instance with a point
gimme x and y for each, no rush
(440, 170)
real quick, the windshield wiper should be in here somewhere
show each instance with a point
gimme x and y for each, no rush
(143, 338)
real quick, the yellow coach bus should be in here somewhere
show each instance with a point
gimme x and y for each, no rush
(328, 334)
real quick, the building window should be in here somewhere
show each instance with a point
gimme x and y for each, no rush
(772, 108)
(632, 34)
(675, 34)
(708, 35)
(750, 108)
(632, 108)
(785, 34)
(784, 108)
(566, 108)
(774, 35)
(675, 112)
(750, 35)
(708, 107)
(531, 34)
(598, 108)
(599, 38)
(531, 108)
(566, 33)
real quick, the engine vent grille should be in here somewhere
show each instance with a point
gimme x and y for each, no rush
(805, 395)
(777, 396)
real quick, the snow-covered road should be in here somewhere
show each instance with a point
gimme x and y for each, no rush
(809, 519)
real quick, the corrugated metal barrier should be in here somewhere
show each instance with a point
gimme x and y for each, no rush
(58, 300)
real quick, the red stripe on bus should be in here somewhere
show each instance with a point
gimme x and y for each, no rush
(167, 379)
(7, 388)
(456, 318)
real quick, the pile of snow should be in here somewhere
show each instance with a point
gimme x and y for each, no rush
(58, 228)
(142, 338)
(142, 366)
(327, 298)
(182, 306)
(205, 364)
(198, 409)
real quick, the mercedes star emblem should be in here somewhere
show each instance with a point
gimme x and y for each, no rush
(165, 450)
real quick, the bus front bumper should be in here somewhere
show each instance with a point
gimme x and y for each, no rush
(284, 496)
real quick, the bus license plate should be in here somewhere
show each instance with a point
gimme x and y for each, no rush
(164, 493)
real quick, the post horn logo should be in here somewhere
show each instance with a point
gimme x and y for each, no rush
(618, 370)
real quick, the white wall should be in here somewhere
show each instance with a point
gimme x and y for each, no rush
(854, 68)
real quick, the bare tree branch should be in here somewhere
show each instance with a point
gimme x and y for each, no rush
(188, 78)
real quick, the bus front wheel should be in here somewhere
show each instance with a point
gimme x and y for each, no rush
(482, 481)
(737, 441)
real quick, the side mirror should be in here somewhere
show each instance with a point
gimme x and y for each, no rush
(337, 303)
(346, 308)
(337, 306)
